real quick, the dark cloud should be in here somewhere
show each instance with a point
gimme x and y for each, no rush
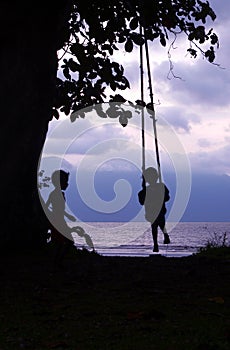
(178, 118)
(211, 161)
(200, 84)
(222, 10)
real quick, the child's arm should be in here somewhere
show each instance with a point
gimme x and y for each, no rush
(48, 202)
(167, 196)
(142, 193)
(69, 216)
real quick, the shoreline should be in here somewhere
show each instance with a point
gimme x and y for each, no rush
(144, 251)
(186, 239)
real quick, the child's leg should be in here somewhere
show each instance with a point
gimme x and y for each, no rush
(89, 241)
(81, 232)
(154, 234)
(164, 230)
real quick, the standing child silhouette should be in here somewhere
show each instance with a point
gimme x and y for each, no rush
(153, 197)
(56, 212)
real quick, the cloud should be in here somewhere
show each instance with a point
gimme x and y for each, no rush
(222, 9)
(204, 143)
(216, 162)
(200, 84)
(227, 129)
(83, 134)
(179, 118)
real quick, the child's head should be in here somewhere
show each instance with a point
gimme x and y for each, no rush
(60, 179)
(150, 175)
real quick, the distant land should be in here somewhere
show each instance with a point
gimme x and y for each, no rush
(209, 200)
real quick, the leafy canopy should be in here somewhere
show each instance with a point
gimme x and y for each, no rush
(96, 30)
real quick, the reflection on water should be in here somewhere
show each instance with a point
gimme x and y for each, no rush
(135, 239)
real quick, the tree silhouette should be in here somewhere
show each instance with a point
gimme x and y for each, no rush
(31, 94)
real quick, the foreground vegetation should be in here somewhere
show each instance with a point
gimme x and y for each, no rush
(216, 247)
(96, 302)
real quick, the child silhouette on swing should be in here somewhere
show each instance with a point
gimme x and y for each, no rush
(153, 197)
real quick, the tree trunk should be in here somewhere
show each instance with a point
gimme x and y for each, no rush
(30, 38)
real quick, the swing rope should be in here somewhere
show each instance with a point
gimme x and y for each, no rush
(142, 99)
(151, 104)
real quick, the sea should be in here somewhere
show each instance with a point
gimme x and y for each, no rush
(134, 239)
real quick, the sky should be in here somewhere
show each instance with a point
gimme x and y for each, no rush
(197, 104)
(193, 127)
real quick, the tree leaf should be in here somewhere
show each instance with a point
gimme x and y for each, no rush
(137, 39)
(55, 113)
(118, 98)
(73, 116)
(129, 45)
(192, 52)
(128, 114)
(123, 120)
(73, 66)
(66, 73)
(113, 112)
(210, 54)
(214, 39)
(113, 85)
(121, 39)
(134, 23)
(140, 103)
(92, 75)
(162, 39)
(100, 111)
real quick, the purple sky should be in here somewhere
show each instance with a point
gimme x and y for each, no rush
(197, 105)
(195, 108)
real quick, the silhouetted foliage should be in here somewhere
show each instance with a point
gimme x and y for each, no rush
(101, 27)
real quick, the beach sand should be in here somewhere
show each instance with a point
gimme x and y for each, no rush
(95, 302)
